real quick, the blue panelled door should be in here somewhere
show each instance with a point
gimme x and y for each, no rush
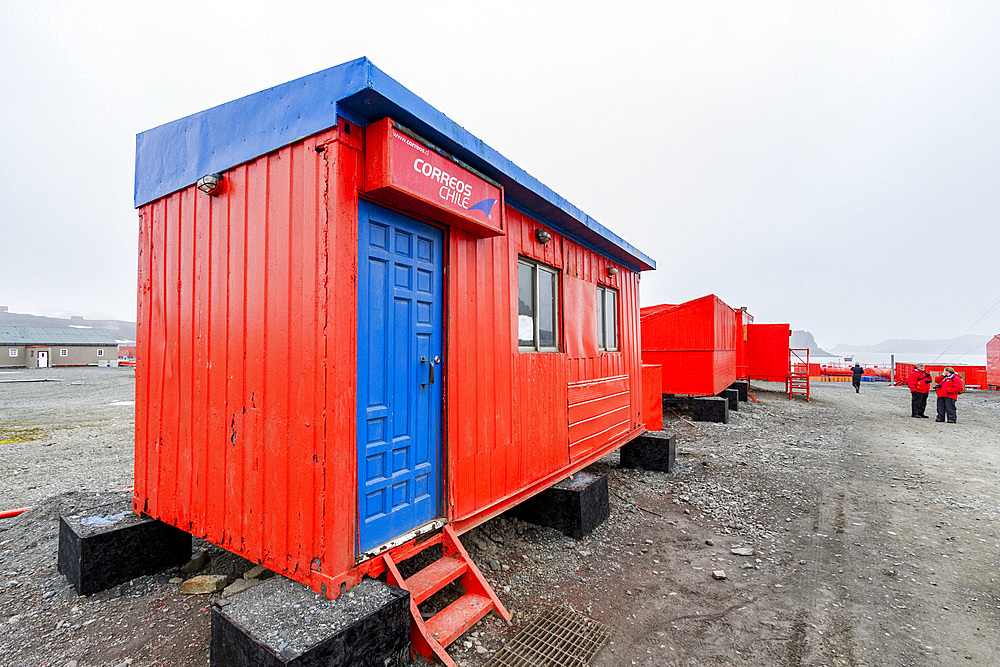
(399, 374)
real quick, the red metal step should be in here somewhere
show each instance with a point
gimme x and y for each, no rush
(434, 577)
(431, 637)
(448, 624)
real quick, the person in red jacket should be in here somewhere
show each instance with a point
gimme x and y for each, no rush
(919, 383)
(948, 386)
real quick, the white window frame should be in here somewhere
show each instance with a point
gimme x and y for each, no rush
(63, 352)
(536, 268)
(12, 352)
(100, 352)
(602, 319)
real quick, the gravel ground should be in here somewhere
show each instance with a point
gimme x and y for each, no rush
(850, 534)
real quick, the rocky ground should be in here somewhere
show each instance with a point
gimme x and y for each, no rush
(850, 534)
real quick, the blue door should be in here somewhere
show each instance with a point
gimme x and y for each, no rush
(399, 374)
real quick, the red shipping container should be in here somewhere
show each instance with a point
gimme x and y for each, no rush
(743, 319)
(349, 335)
(903, 371)
(993, 362)
(768, 349)
(694, 342)
(974, 377)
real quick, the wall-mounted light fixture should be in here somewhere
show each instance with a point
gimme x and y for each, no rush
(542, 236)
(612, 271)
(210, 184)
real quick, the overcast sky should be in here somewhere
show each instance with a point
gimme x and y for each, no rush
(831, 165)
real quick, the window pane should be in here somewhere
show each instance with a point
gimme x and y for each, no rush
(600, 318)
(611, 319)
(546, 308)
(525, 305)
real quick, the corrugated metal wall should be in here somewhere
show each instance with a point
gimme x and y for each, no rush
(245, 369)
(694, 342)
(509, 412)
(768, 352)
(993, 361)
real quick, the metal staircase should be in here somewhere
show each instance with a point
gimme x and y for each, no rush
(797, 382)
(429, 638)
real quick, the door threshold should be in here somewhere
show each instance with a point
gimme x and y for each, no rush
(428, 527)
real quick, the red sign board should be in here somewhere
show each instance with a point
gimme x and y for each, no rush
(408, 173)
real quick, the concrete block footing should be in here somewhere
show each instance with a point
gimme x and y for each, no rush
(743, 387)
(653, 450)
(281, 623)
(710, 409)
(109, 545)
(733, 396)
(574, 506)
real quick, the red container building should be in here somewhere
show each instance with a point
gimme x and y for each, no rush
(768, 349)
(743, 320)
(972, 376)
(362, 325)
(695, 344)
(993, 362)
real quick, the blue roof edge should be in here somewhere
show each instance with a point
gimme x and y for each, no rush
(176, 154)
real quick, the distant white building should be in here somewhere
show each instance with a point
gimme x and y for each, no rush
(41, 347)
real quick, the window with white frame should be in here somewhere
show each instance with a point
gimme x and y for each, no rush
(607, 318)
(100, 353)
(63, 352)
(11, 351)
(537, 307)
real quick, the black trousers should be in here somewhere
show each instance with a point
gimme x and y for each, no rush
(918, 403)
(946, 408)
(857, 384)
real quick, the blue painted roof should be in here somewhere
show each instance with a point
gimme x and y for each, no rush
(177, 154)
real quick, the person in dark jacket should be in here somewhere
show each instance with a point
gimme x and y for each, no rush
(919, 383)
(948, 386)
(856, 372)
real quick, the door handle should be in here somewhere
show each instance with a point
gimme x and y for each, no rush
(435, 360)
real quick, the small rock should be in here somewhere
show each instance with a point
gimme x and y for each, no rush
(258, 572)
(802, 562)
(238, 586)
(742, 551)
(584, 553)
(176, 580)
(505, 567)
(481, 649)
(719, 574)
(494, 564)
(71, 663)
(204, 583)
(196, 563)
(710, 543)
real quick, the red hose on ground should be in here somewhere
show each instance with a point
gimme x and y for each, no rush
(12, 513)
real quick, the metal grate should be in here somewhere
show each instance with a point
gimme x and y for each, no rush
(556, 638)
